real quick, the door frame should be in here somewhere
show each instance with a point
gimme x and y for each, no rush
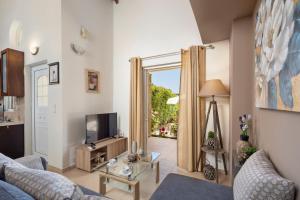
(33, 142)
(147, 96)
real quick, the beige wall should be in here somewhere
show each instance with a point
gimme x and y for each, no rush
(241, 74)
(276, 132)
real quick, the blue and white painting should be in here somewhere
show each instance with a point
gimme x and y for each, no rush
(277, 55)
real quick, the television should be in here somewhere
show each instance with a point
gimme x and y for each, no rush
(100, 126)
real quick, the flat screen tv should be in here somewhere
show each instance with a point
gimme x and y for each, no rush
(100, 126)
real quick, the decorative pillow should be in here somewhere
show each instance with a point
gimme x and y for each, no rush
(10, 192)
(42, 184)
(6, 160)
(258, 179)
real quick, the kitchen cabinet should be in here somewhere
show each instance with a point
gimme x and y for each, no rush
(12, 73)
(12, 141)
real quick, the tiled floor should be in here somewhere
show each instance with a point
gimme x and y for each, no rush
(168, 164)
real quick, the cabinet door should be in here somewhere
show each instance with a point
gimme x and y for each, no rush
(111, 151)
(4, 73)
(12, 73)
(5, 145)
(12, 141)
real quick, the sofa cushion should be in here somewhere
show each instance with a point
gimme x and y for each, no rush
(10, 192)
(33, 162)
(5, 160)
(178, 187)
(41, 184)
(258, 179)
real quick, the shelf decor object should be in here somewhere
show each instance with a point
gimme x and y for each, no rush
(211, 89)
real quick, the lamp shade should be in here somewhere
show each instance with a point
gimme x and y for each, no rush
(213, 87)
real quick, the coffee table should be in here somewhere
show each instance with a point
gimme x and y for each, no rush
(115, 172)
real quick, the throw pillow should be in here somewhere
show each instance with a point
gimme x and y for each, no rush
(10, 192)
(5, 160)
(258, 179)
(41, 184)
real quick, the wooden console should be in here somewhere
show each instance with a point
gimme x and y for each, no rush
(88, 159)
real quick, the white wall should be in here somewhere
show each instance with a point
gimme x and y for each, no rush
(145, 28)
(97, 17)
(41, 22)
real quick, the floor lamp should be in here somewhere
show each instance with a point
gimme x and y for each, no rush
(213, 88)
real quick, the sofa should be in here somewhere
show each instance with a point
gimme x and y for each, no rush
(257, 179)
(14, 184)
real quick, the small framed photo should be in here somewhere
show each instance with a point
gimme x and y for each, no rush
(92, 81)
(54, 73)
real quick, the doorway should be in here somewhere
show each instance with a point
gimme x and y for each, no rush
(163, 86)
(40, 80)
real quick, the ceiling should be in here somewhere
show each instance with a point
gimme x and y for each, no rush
(214, 17)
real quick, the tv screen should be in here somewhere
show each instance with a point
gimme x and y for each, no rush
(100, 126)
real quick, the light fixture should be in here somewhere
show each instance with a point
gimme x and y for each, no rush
(213, 88)
(34, 50)
(83, 32)
(77, 49)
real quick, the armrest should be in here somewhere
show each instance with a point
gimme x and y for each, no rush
(33, 162)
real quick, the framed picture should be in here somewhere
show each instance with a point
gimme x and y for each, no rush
(92, 81)
(54, 73)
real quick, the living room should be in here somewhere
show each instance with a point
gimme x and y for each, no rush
(78, 59)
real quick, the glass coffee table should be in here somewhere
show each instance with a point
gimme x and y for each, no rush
(125, 172)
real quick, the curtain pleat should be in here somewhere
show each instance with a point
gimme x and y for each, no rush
(192, 108)
(136, 128)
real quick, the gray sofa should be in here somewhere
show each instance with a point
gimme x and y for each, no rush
(178, 187)
(11, 192)
(257, 179)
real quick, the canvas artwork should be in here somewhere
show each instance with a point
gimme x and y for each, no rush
(277, 55)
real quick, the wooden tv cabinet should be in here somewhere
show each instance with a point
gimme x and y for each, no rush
(86, 158)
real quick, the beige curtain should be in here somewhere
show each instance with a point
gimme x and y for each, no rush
(136, 128)
(192, 108)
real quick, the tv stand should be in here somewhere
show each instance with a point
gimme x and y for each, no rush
(90, 160)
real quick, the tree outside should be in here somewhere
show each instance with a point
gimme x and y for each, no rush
(164, 116)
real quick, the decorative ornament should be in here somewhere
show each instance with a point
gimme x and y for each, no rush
(209, 172)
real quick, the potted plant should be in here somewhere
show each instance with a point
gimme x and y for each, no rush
(246, 153)
(244, 125)
(212, 142)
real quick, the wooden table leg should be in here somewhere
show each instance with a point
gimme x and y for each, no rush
(102, 185)
(157, 172)
(137, 191)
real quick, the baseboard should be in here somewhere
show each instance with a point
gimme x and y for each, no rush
(60, 171)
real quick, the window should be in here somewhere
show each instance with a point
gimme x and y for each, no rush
(42, 91)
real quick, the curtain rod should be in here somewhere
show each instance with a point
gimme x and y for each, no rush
(170, 64)
(173, 53)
